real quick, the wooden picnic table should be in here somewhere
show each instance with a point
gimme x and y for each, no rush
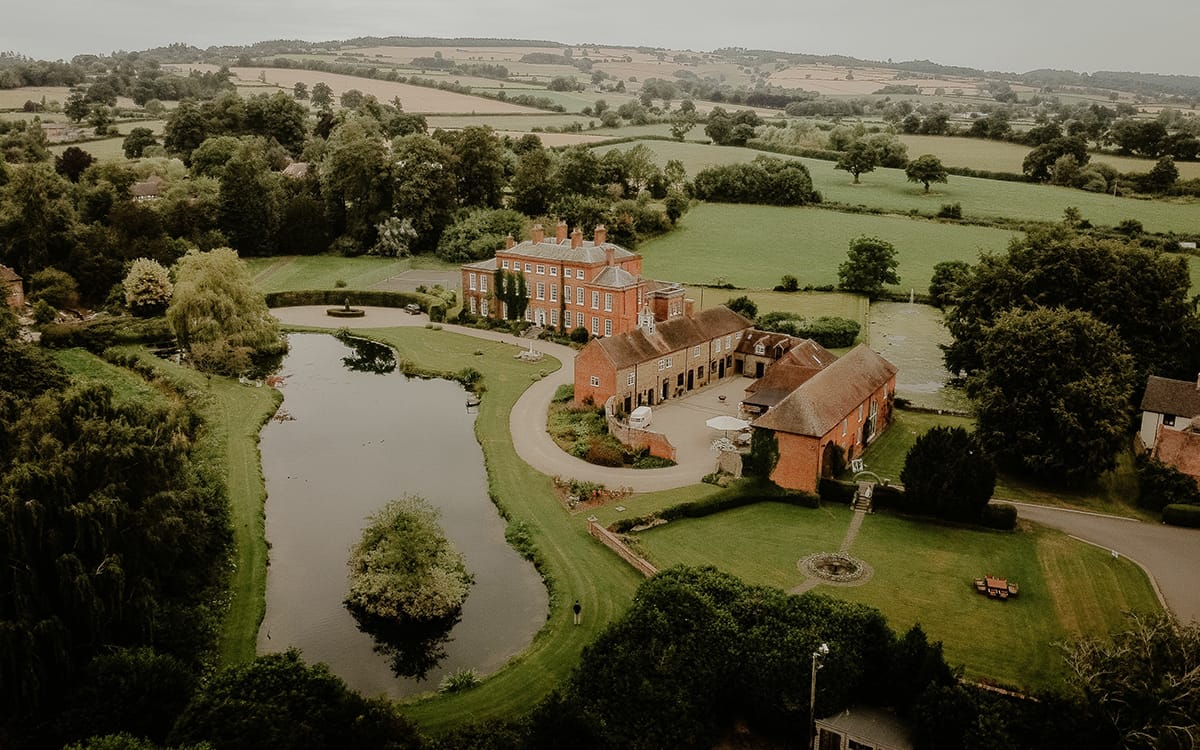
(996, 587)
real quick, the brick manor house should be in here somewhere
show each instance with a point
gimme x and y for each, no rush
(573, 283)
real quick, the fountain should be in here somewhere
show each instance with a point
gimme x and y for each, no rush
(346, 311)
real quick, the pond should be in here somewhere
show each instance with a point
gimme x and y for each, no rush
(349, 437)
(909, 336)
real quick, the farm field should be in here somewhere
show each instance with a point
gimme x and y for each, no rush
(523, 123)
(753, 246)
(16, 98)
(889, 190)
(1001, 156)
(417, 99)
(923, 573)
(105, 149)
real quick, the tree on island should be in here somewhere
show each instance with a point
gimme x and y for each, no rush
(407, 584)
(925, 169)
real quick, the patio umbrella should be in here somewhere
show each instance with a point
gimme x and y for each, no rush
(727, 423)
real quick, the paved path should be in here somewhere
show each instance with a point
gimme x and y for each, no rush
(1169, 554)
(852, 531)
(527, 422)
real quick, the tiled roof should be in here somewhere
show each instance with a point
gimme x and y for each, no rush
(768, 339)
(615, 277)
(1167, 396)
(588, 252)
(633, 347)
(296, 170)
(488, 264)
(805, 359)
(826, 398)
(1179, 448)
(870, 726)
(7, 274)
(150, 187)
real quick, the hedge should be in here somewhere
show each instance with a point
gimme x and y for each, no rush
(427, 302)
(101, 333)
(735, 496)
(1000, 516)
(1182, 515)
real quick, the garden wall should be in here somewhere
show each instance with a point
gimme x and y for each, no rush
(655, 442)
(613, 542)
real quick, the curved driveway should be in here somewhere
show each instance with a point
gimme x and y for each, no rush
(1170, 555)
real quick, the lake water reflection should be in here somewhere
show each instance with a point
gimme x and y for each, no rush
(355, 440)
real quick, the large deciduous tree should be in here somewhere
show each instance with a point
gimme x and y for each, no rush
(925, 169)
(354, 181)
(870, 263)
(859, 157)
(36, 219)
(1143, 685)
(1143, 294)
(218, 315)
(278, 701)
(947, 474)
(1052, 393)
(147, 288)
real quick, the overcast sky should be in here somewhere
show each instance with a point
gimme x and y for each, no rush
(1157, 36)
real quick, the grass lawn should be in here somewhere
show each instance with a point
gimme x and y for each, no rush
(923, 573)
(576, 565)
(753, 246)
(127, 386)
(293, 272)
(889, 190)
(809, 304)
(1114, 492)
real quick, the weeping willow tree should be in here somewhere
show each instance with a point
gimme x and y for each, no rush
(218, 315)
(109, 537)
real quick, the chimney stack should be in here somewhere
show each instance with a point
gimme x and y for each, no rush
(610, 255)
(537, 234)
(576, 237)
(601, 235)
(560, 232)
(509, 242)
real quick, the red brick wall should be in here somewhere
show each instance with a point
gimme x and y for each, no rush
(592, 361)
(799, 464)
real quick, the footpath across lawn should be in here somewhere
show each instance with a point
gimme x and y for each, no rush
(924, 573)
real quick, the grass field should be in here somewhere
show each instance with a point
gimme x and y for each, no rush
(285, 273)
(1115, 492)
(889, 190)
(127, 386)
(753, 246)
(923, 573)
(1001, 156)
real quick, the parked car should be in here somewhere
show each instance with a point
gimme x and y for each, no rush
(640, 418)
(412, 309)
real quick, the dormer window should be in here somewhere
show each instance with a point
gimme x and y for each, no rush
(759, 349)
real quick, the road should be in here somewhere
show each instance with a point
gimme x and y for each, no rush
(1171, 555)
